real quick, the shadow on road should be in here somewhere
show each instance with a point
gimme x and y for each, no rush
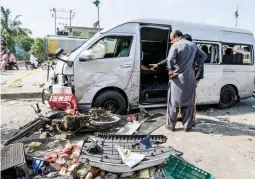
(208, 126)
(244, 107)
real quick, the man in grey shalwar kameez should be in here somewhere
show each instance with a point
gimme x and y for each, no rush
(182, 83)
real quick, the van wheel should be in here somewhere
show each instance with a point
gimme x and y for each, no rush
(227, 97)
(112, 101)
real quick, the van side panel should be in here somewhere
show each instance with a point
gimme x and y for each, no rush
(133, 87)
(97, 75)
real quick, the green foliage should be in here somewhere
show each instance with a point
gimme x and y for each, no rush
(16, 37)
(24, 42)
(9, 39)
(76, 33)
(39, 48)
(12, 26)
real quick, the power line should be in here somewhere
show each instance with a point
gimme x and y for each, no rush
(54, 14)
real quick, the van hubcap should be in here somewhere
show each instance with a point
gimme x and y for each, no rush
(110, 105)
(227, 97)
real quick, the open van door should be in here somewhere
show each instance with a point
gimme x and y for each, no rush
(155, 44)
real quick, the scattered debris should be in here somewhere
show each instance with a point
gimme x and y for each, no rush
(211, 110)
(104, 153)
(144, 173)
(152, 124)
(131, 117)
(110, 176)
(224, 118)
(94, 120)
(250, 139)
(129, 158)
(64, 158)
(145, 126)
(19, 85)
(35, 144)
(130, 128)
(199, 160)
(127, 174)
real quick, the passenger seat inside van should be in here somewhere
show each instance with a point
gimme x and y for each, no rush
(228, 57)
(205, 49)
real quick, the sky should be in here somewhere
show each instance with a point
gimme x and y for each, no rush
(36, 14)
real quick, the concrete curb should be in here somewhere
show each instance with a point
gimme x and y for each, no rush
(23, 95)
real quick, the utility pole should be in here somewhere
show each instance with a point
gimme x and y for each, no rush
(55, 19)
(97, 24)
(70, 18)
(71, 15)
(236, 16)
(98, 17)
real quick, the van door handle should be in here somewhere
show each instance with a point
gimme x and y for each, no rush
(126, 66)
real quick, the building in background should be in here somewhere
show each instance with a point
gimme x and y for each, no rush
(67, 43)
(85, 32)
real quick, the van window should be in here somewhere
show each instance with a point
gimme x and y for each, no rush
(112, 47)
(234, 54)
(212, 52)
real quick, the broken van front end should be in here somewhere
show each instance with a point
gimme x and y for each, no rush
(60, 82)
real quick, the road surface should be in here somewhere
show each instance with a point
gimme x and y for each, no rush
(223, 146)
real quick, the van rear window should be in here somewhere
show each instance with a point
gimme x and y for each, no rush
(236, 54)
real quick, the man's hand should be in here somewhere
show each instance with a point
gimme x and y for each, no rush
(172, 74)
(197, 83)
(153, 65)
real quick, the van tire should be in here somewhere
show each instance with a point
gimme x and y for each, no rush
(227, 97)
(112, 101)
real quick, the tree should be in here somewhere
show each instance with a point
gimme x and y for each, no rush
(24, 41)
(39, 48)
(9, 39)
(12, 26)
(22, 46)
(76, 33)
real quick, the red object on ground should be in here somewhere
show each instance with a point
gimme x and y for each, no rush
(63, 101)
(51, 157)
(131, 117)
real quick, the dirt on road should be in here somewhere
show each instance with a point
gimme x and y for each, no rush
(222, 143)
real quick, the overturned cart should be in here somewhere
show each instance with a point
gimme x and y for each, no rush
(101, 152)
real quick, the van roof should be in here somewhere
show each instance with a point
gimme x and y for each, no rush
(65, 37)
(203, 26)
(198, 31)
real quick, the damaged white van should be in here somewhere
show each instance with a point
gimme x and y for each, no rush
(111, 70)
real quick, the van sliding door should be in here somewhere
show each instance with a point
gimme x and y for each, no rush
(148, 36)
(154, 44)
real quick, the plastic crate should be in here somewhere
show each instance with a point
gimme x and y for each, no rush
(63, 101)
(13, 163)
(177, 168)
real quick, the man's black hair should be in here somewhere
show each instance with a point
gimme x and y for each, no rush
(177, 33)
(187, 37)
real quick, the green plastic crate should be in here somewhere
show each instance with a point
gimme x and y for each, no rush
(177, 168)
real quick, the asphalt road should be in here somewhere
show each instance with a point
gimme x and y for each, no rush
(223, 146)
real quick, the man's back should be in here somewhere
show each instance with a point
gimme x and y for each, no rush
(186, 52)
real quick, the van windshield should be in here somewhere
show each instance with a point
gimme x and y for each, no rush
(76, 51)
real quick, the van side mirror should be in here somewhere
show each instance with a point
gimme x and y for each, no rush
(86, 56)
(59, 51)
